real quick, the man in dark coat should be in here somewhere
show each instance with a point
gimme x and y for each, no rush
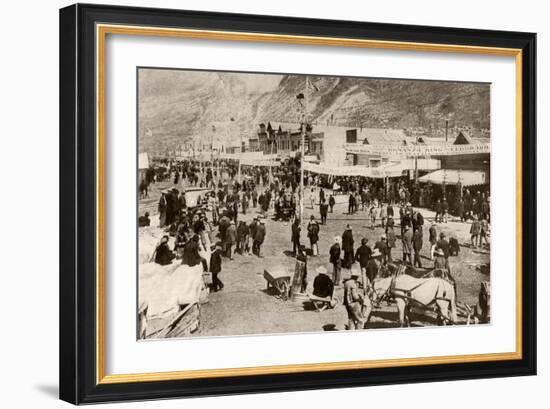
(162, 209)
(191, 256)
(363, 253)
(443, 245)
(323, 209)
(331, 202)
(144, 220)
(323, 286)
(417, 246)
(389, 211)
(438, 211)
(407, 244)
(259, 238)
(243, 231)
(445, 209)
(216, 267)
(405, 221)
(373, 266)
(460, 210)
(231, 239)
(347, 246)
(163, 254)
(313, 235)
(382, 246)
(433, 240)
(336, 261)
(295, 236)
(418, 221)
(390, 223)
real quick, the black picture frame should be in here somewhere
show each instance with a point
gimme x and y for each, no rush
(78, 360)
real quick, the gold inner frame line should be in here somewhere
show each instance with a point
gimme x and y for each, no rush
(101, 33)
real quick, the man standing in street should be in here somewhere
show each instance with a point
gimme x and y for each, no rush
(231, 236)
(295, 236)
(445, 209)
(363, 254)
(475, 230)
(407, 244)
(216, 267)
(417, 246)
(323, 209)
(313, 234)
(259, 238)
(353, 300)
(382, 246)
(443, 245)
(433, 240)
(347, 246)
(336, 261)
(331, 202)
(373, 266)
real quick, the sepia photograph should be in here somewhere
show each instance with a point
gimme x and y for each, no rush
(273, 203)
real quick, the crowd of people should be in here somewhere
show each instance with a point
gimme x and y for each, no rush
(225, 232)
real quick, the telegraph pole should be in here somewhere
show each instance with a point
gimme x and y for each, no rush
(302, 147)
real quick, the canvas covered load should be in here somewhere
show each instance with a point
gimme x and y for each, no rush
(168, 290)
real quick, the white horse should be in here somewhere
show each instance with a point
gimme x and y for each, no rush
(406, 289)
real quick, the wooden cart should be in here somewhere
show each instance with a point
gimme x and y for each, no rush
(279, 283)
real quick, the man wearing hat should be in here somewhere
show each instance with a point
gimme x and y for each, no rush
(144, 221)
(475, 230)
(389, 224)
(407, 244)
(382, 246)
(353, 300)
(433, 239)
(163, 254)
(295, 236)
(439, 261)
(443, 245)
(323, 286)
(231, 239)
(162, 209)
(336, 261)
(259, 238)
(363, 254)
(216, 267)
(417, 246)
(313, 234)
(373, 266)
(390, 242)
(347, 246)
(191, 256)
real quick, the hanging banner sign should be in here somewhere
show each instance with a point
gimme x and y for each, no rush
(417, 150)
(372, 172)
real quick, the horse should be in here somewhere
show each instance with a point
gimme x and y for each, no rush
(406, 289)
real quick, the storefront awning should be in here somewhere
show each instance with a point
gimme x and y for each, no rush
(455, 176)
